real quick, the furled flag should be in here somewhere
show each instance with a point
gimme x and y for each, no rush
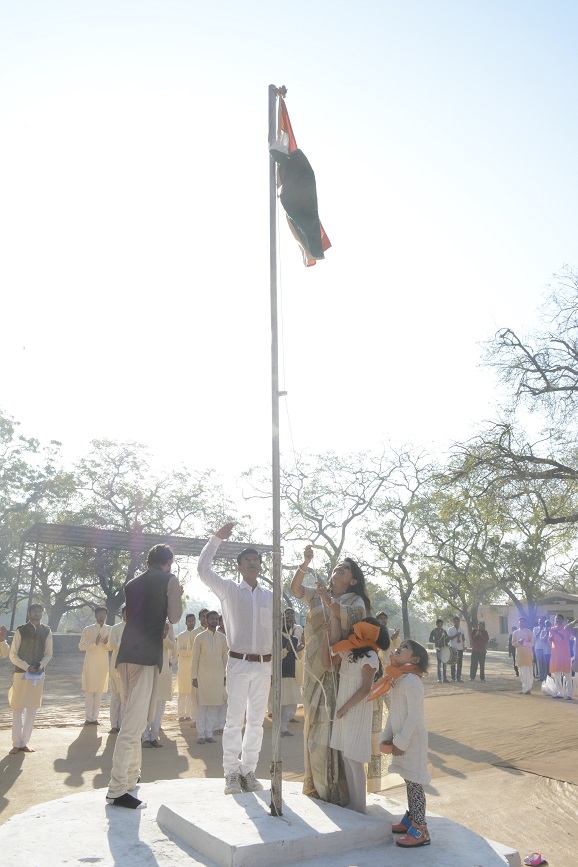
(297, 191)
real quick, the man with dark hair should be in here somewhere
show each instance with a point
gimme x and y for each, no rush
(457, 638)
(150, 598)
(116, 697)
(248, 616)
(480, 639)
(186, 705)
(30, 652)
(209, 665)
(439, 639)
(94, 643)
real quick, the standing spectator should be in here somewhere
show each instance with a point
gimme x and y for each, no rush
(512, 650)
(439, 638)
(523, 641)
(4, 646)
(539, 646)
(480, 640)
(561, 660)
(209, 667)
(116, 696)
(164, 693)
(150, 598)
(248, 615)
(202, 620)
(30, 652)
(290, 693)
(187, 696)
(394, 639)
(94, 643)
(457, 639)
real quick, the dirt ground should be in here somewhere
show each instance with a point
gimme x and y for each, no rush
(504, 764)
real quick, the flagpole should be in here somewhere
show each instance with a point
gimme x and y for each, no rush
(276, 764)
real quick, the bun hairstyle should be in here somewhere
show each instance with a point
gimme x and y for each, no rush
(382, 642)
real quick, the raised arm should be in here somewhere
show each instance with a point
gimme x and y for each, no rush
(296, 588)
(206, 573)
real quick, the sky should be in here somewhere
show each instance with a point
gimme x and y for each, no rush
(134, 271)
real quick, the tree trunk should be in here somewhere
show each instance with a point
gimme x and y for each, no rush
(405, 616)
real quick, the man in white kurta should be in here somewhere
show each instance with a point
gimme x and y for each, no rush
(187, 696)
(30, 652)
(210, 656)
(248, 616)
(4, 646)
(116, 696)
(523, 641)
(164, 692)
(94, 643)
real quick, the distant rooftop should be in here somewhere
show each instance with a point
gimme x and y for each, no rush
(136, 542)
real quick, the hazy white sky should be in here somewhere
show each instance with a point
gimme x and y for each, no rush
(134, 215)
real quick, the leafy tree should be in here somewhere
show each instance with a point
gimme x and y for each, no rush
(540, 373)
(395, 534)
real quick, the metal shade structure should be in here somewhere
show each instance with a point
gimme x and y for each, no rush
(69, 536)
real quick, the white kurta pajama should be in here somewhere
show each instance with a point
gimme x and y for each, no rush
(523, 641)
(248, 617)
(164, 691)
(25, 696)
(209, 665)
(116, 697)
(95, 668)
(4, 649)
(187, 703)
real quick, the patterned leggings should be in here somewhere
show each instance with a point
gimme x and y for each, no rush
(416, 802)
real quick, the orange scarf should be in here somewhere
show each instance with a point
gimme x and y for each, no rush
(363, 635)
(393, 672)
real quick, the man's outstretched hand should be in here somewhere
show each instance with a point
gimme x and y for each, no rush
(225, 531)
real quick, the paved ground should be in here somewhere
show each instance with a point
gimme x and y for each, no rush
(503, 764)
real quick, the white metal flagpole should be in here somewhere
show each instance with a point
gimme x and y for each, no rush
(276, 764)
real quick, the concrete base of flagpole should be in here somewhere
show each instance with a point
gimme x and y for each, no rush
(193, 819)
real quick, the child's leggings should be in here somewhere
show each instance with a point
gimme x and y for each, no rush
(416, 802)
(356, 783)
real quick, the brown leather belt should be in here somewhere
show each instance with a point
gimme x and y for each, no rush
(251, 657)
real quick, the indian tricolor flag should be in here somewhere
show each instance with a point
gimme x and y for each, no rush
(298, 191)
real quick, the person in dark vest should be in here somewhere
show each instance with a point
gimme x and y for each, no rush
(30, 652)
(151, 598)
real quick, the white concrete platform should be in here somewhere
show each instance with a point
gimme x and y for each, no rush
(81, 830)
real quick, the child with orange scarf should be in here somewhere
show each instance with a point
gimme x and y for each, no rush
(351, 733)
(405, 736)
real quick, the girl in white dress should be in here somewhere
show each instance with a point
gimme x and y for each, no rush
(405, 736)
(351, 733)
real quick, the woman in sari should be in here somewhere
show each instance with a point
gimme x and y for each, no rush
(344, 603)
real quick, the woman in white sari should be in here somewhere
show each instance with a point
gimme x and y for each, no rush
(344, 602)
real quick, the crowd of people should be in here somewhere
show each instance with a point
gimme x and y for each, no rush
(359, 683)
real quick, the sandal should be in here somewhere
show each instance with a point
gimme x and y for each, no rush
(534, 860)
(416, 836)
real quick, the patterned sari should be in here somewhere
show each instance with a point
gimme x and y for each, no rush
(324, 773)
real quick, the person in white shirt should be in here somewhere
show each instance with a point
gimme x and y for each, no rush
(116, 696)
(457, 638)
(210, 657)
(4, 646)
(164, 693)
(523, 641)
(94, 643)
(187, 702)
(248, 616)
(30, 652)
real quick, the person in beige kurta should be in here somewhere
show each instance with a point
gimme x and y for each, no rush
(94, 643)
(187, 696)
(30, 652)
(116, 696)
(4, 646)
(209, 664)
(164, 691)
(523, 641)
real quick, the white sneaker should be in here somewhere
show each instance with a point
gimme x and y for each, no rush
(233, 784)
(250, 782)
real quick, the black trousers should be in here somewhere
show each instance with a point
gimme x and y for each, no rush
(478, 658)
